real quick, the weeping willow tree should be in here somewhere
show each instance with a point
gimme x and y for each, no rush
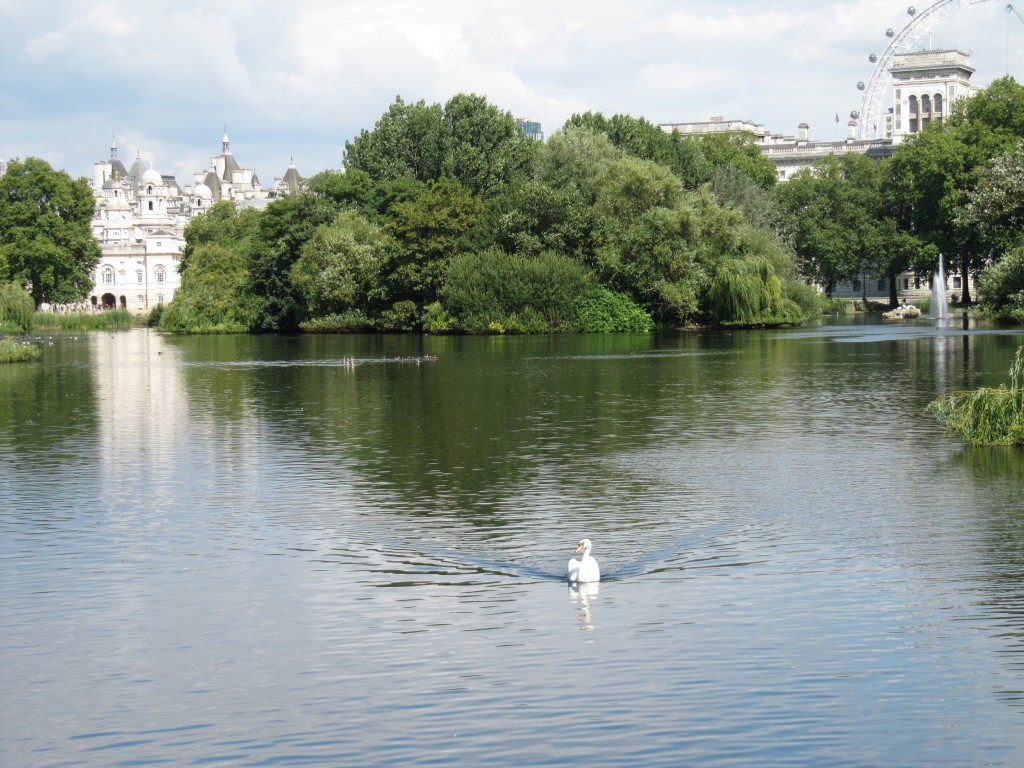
(749, 292)
(987, 416)
(16, 309)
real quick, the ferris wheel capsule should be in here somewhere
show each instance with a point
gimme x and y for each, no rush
(890, 32)
(860, 86)
(911, 11)
(873, 58)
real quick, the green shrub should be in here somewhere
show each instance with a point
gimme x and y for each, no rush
(16, 309)
(1001, 287)
(351, 321)
(521, 294)
(604, 311)
(437, 319)
(403, 316)
(18, 352)
(153, 318)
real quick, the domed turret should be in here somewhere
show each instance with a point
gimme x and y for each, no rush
(152, 177)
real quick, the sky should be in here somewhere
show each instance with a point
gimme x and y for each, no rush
(293, 80)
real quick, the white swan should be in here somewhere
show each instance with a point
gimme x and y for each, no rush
(585, 569)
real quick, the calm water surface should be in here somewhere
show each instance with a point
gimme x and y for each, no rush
(335, 551)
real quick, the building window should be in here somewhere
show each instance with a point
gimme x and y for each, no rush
(917, 283)
(956, 282)
(159, 298)
(881, 284)
(141, 301)
(159, 274)
(937, 104)
(151, 205)
(138, 276)
(856, 285)
(108, 275)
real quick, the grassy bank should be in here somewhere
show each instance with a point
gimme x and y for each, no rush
(12, 351)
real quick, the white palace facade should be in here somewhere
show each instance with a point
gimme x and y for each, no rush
(140, 221)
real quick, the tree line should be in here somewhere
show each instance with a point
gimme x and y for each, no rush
(445, 218)
(954, 190)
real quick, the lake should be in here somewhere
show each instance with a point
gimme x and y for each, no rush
(350, 551)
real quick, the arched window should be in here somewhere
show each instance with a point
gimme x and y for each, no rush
(926, 104)
(937, 104)
(151, 205)
(912, 122)
(160, 274)
(108, 275)
(141, 301)
(159, 298)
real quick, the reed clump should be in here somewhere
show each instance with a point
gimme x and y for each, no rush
(107, 320)
(987, 416)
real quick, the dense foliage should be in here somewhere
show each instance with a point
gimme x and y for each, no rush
(987, 416)
(16, 309)
(46, 242)
(447, 219)
(953, 191)
(952, 185)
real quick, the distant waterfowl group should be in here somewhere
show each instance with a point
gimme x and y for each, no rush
(352, 362)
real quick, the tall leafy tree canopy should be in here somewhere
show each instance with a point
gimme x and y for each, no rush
(46, 241)
(467, 139)
(933, 175)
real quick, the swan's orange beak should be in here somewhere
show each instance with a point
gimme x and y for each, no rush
(579, 548)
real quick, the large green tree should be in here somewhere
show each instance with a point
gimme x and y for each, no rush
(285, 227)
(46, 241)
(341, 267)
(467, 139)
(996, 205)
(934, 175)
(834, 216)
(429, 230)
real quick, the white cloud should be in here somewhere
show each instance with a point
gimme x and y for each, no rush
(301, 78)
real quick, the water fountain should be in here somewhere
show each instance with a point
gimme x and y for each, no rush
(938, 307)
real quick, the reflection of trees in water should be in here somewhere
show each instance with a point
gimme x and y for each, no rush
(999, 516)
(48, 409)
(496, 422)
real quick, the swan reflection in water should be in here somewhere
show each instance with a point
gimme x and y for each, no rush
(581, 594)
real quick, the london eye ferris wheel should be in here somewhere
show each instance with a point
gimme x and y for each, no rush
(920, 27)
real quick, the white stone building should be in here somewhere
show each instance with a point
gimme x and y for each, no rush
(141, 216)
